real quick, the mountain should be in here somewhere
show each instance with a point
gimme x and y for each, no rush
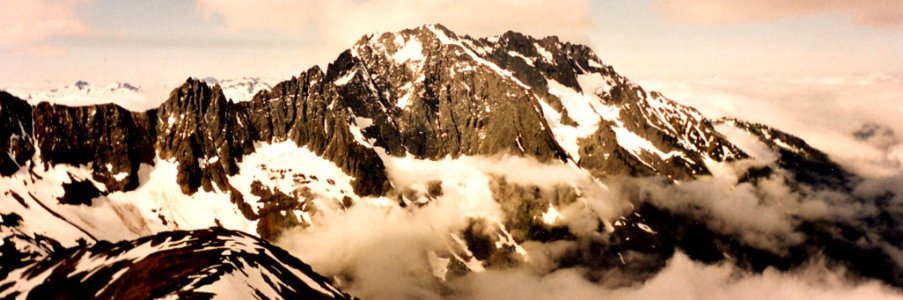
(536, 144)
(240, 89)
(134, 97)
(186, 264)
(83, 93)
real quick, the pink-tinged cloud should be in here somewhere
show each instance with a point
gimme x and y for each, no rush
(26, 24)
(873, 13)
(346, 20)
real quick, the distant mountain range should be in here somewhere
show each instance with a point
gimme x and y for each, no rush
(134, 97)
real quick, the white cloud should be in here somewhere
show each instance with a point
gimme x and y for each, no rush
(681, 279)
(382, 250)
(344, 21)
(26, 24)
(874, 13)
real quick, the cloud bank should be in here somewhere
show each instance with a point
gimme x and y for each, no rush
(681, 279)
(872, 13)
(379, 250)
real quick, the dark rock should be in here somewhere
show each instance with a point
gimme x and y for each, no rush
(110, 138)
(277, 211)
(10, 220)
(204, 133)
(808, 165)
(16, 133)
(79, 192)
(309, 111)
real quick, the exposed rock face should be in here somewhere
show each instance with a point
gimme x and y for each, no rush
(16, 133)
(112, 140)
(309, 111)
(222, 262)
(808, 165)
(428, 106)
(204, 134)
(208, 135)
(431, 93)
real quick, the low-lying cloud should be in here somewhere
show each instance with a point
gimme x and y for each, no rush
(380, 250)
(681, 279)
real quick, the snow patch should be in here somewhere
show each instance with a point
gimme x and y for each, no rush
(545, 53)
(411, 50)
(551, 215)
(526, 59)
(120, 176)
(637, 145)
(345, 78)
(288, 168)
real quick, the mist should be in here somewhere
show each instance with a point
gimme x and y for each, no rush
(377, 249)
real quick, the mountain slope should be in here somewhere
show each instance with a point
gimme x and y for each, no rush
(215, 263)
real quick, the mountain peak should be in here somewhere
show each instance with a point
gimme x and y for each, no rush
(418, 117)
(81, 84)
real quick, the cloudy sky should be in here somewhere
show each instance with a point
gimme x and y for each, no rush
(148, 42)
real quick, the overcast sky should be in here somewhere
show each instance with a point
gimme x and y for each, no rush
(152, 42)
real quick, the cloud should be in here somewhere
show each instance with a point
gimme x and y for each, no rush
(873, 13)
(765, 215)
(825, 111)
(25, 25)
(382, 249)
(379, 250)
(681, 279)
(345, 21)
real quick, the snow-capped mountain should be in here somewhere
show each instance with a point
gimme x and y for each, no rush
(134, 97)
(495, 152)
(82, 93)
(241, 89)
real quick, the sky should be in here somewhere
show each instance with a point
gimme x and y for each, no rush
(152, 43)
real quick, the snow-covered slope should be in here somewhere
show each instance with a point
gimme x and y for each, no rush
(213, 264)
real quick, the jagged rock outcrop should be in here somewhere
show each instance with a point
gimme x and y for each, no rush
(430, 98)
(16, 133)
(109, 138)
(309, 111)
(204, 133)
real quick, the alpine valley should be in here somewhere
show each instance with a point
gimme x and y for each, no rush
(414, 162)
